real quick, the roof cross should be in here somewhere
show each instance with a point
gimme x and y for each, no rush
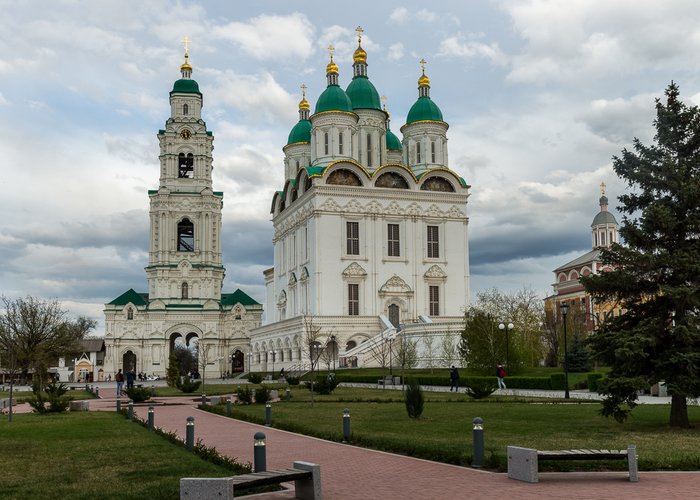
(331, 49)
(359, 33)
(186, 42)
(602, 188)
(423, 62)
(303, 90)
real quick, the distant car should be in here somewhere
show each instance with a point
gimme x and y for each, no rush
(153, 377)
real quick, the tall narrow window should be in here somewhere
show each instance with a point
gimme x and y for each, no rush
(325, 142)
(418, 152)
(434, 292)
(432, 151)
(340, 143)
(393, 242)
(369, 150)
(185, 109)
(306, 242)
(433, 242)
(353, 238)
(184, 289)
(185, 236)
(185, 165)
(353, 299)
(130, 313)
(394, 315)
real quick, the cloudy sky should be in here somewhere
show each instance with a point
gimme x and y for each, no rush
(539, 96)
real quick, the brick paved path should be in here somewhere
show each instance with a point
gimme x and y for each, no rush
(349, 472)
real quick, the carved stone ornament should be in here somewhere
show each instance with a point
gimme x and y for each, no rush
(454, 211)
(282, 299)
(304, 274)
(292, 280)
(330, 205)
(435, 272)
(354, 270)
(395, 286)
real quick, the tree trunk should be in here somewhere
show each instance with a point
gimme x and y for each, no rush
(679, 411)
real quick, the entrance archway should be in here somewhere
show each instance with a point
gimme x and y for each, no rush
(394, 315)
(129, 361)
(237, 362)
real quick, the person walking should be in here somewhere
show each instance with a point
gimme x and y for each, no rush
(119, 377)
(130, 376)
(501, 374)
(454, 379)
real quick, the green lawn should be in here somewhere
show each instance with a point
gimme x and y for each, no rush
(92, 455)
(444, 432)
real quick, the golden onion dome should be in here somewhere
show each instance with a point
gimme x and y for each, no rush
(332, 68)
(304, 104)
(360, 56)
(424, 81)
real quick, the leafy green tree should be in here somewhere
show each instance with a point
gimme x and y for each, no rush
(482, 345)
(655, 277)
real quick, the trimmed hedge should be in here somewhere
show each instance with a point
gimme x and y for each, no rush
(593, 379)
(558, 381)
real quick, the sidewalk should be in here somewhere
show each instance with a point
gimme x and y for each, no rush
(351, 472)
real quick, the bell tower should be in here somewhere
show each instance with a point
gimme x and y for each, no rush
(184, 265)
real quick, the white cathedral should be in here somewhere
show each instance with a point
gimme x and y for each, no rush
(370, 241)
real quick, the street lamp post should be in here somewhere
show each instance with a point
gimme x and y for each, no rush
(564, 310)
(272, 353)
(333, 350)
(507, 328)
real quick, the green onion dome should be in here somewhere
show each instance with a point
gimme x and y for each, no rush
(333, 99)
(186, 86)
(392, 142)
(424, 109)
(300, 133)
(363, 94)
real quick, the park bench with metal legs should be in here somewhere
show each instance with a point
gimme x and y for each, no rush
(306, 477)
(523, 462)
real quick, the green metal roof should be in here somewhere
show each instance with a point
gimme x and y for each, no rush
(333, 99)
(392, 142)
(362, 94)
(315, 170)
(424, 109)
(138, 299)
(186, 86)
(603, 217)
(300, 133)
(229, 299)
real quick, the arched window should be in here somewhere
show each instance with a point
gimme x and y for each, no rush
(185, 290)
(130, 313)
(437, 184)
(391, 180)
(325, 142)
(369, 150)
(185, 166)
(343, 177)
(394, 317)
(185, 109)
(185, 236)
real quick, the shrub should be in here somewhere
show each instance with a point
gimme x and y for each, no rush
(244, 395)
(54, 395)
(593, 379)
(262, 394)
(414, 399)
(557, 380)
(481, 388)
(138, 394)
(292, 380)
(255, 378)
(187, 386)
(324, 384)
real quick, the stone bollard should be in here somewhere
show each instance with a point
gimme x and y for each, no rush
(229, 405)
(259, 453)
(346, 425)
(119, 405)
(97, 392)
(268, 414)
(478, 443)
(204, 399)
(130, 414)
(153, 390)
(87, 388)
(189, 438)
(288, 393)
(151, 418)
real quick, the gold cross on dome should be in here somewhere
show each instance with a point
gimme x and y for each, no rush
(359, 33)
(303, 90)
(331, 49)
(423, 62)
(383, 98)
(186, 42)
(602, 188)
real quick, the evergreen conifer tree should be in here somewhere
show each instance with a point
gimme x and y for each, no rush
(172, 375)
(655, 276)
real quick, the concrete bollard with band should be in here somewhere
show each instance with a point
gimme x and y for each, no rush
(259, 453)
(189, 435)
(130, 414)
(346, 425)
(478, 443)
(268, 414)
(151, 418)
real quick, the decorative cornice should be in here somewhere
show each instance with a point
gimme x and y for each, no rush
(395, 286)
(354, 270)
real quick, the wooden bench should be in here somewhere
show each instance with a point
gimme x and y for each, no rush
(306, 477)
(389, 380)
(523, 462)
